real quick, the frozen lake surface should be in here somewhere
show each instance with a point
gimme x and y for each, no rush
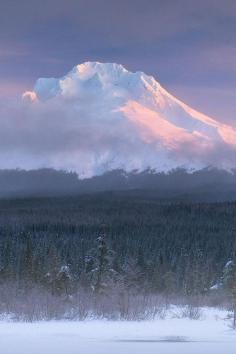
(210, 335)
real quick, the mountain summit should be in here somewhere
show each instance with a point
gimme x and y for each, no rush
(121, 112)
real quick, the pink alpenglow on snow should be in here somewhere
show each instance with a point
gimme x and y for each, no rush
(101, 116)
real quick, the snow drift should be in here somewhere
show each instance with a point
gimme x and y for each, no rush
(101, 117)
(173, 335)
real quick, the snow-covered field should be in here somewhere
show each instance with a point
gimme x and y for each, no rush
(210, 335)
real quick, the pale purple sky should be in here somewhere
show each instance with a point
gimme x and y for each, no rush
(188, 45)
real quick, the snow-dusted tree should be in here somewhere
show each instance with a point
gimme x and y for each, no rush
(64, 280)
(58, 278)
(53, 267)
(229, 284)
(100, 266)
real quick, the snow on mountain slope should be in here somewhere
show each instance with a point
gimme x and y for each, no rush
(130, 121)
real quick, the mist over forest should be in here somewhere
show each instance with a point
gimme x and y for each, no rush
(209, 184)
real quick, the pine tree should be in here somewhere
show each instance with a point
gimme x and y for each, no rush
(64, 281)
(100, 266)
(54, 265)
(229, 284)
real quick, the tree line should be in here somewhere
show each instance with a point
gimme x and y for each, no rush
(80, 252)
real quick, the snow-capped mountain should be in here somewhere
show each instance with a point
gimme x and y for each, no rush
(120, 119)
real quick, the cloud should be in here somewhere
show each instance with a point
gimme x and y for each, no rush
(6, 53)
(55, 135)
(29, 96)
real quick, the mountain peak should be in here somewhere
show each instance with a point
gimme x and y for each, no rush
(96, 66)
(169, 132)
(102, 76)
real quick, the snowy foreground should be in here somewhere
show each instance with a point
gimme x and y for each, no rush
(211, 334)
